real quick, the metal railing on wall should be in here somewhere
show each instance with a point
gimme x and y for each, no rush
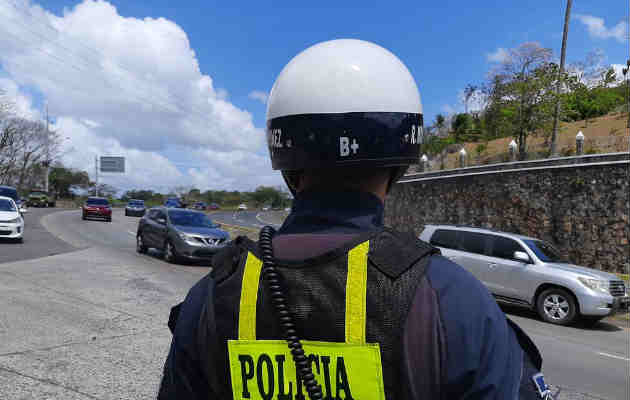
(519, 166)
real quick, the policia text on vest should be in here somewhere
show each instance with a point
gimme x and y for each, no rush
(264, 369)
(267, 377)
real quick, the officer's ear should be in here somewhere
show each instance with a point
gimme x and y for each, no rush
(397, 173)
(293, 181)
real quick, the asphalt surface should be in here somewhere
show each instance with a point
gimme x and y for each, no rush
(249, 219)
(90, 323)
(38, 242)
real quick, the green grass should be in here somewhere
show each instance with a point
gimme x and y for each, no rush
(625, 277)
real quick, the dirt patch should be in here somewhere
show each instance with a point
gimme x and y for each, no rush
(607, 134)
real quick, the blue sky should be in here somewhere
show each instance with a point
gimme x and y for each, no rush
(244, 45)
(241, 47)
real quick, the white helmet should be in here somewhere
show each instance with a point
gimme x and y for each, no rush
(344, 103)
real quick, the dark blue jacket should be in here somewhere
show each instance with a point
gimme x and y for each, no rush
(485, 356)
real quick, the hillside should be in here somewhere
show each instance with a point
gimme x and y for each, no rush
(606, 134)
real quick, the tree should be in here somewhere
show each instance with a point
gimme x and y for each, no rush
(25, 146)
(563, 53)
(522, 92)
(462, 125)
(469, 93)
(194, 194)
(439, 123)
(592, 97)
(63, 179)
(105, 190)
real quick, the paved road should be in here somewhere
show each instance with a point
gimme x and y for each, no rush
(38, 242)
(593, 361)
(91, 323)
(87, 324)
(250, 219)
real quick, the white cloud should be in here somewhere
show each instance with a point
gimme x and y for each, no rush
(21, 104)
(598, 29)
(258, 95)
(499, 55)
(133, 87)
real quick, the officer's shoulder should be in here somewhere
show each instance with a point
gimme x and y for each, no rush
(460, 294)
(184, 317)
(444, 274)
(226, 261)
(394, 252)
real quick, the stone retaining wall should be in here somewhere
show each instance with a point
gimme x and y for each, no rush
(582, 208)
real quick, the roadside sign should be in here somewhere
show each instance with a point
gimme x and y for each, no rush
(112, 164)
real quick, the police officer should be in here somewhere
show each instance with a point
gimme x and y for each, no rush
(335, 305)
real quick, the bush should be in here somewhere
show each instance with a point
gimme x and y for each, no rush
(591, 150)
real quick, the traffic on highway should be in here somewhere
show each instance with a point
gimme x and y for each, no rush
(314, 200)
(583, 360)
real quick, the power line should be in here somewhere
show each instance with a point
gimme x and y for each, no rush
(74, 66)
(200, 113)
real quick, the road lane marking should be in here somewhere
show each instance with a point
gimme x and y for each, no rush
(265, 222)
(614, 356)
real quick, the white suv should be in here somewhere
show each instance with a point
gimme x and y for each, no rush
(529, 272)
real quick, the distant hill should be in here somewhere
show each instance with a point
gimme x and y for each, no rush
(606, 134)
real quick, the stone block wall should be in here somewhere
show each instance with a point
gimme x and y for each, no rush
(583, 210)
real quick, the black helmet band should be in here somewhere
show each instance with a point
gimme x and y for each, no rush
(379, 139)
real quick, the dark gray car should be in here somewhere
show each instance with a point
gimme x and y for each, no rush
(135, 208)
(180, 233)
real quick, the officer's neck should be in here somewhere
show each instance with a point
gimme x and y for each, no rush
(334, 181)
(338, 211)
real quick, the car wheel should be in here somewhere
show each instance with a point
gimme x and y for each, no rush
(557, 306)
(126, 214)
(170, 254)
(140, 246)
(109, 219)
(20, 240)
(83, 217)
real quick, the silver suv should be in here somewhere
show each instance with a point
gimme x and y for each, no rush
(529, 272)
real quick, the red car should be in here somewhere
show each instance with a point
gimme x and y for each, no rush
(97, 207)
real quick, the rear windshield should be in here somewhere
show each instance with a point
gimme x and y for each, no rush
(8, 192)
(7, 205)
(136, 203)
(97, 202)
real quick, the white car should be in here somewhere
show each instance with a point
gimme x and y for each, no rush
(242, 207)
(11, 221)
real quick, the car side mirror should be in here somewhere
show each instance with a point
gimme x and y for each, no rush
(161, 221)
(522, 256)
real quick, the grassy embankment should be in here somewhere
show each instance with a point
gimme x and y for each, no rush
(606, 134)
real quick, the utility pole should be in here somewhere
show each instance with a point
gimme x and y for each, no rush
(563, 54)
(46, 179)
(96, 172)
